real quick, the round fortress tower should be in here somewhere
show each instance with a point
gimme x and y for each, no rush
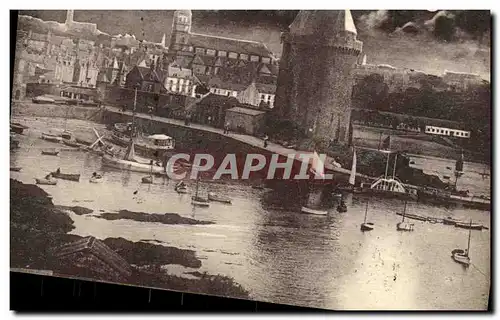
(315, 82)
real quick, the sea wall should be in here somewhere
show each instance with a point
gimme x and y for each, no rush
(27, 108)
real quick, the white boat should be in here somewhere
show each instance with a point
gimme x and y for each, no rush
(404, 226)
(50, 182)
(96, 178)
(462, 256)
(366, 226)
(147, 179)
(50, 152)
(317, 212)
(51, 137)
(197, 200)
(212, 196)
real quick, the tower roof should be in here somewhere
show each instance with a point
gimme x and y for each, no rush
(323, 23)
(183, 12)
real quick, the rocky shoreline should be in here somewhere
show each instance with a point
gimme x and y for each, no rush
(38, 228)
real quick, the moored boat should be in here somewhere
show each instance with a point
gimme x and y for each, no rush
(404, 226)
(16, 169)
(367, 226)
(66, 176)
(51, 137)
(462, 256)
(472, 226)
(198, 200)
(50, 182)
(147, 179)
(71, 143)
(451, 221)
(16, 128)
(212, 196)
(317, 212)
(50, 152)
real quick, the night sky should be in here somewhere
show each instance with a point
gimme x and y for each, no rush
(423, 40)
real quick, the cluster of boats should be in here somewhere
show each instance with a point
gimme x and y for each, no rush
(198, 199)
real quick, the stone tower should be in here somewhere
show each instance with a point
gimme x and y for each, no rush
(69, 17)
(181, 31)
(315, 81)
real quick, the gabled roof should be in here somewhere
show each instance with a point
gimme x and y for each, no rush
(229, 45)
(266, 88)
(217, 100)
(97, 248)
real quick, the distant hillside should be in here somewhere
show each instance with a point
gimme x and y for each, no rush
(26, 23)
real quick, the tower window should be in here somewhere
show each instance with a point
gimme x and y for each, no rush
(200, 51)
(210, 52)
(233, 55)
(244, 57)
(222, 53)
(254, 58)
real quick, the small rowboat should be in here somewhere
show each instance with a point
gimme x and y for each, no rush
(182, 190)
(147, 179)
(212, 196)
(368, 226)
(71, 143)
(16, 128)
(51, 137)
(95, 179)
(50, 152)
(199, 201)
(307, 210)
(465, 225)
(404, 226)
(48, 182)
(461, 257)
(66, 176)
(451, 221)
(17, 169)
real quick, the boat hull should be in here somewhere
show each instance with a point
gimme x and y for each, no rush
(16, 129)
(95, 180)
(131, 165)
(16, 169)
(51, 138)
(317, 212)
(141, 148)
(466, 225)
(70, 143)
(50, 153)
(147, 180)
(367, 226)
(46, 182)
(459, 257)
(200, 203)
(66, 176)
(404, 226)
(218, 198)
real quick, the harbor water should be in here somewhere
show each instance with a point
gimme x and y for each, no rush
(282, 256)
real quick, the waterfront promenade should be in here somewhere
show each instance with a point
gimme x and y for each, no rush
(248, 139)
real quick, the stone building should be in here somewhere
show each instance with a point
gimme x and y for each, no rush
(320, 51)
(227, 66)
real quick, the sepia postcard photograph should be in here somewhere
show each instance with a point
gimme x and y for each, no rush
(331, 159)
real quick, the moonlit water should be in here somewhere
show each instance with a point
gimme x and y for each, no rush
(282, 256)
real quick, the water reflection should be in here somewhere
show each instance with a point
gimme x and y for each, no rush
(277, 253)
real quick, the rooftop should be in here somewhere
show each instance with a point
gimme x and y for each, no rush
(323, 22)
(250, 112)
(230, 45)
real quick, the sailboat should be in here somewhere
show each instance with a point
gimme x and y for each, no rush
(129, 161)
(317, 168)
(352, 177)
(196, 199)
(462, 256)
(366, 226)
(404, 226)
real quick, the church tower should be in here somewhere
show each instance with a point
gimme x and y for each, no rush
(181, 31)
(315, 80)
(69, 17)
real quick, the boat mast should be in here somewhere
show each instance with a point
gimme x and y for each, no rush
(352, 177)
(366, 210)
(404, 213)
(387, 165)
(197, 184)
(468, 244)
(394, 169)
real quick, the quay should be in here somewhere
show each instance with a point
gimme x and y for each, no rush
(243, 138)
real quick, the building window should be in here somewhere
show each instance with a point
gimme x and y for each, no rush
(210, 52)
(191, 49)
(200, 51)
(233, 55)
(244, 57)
(254, 58)
(235, 94)
(222, 53)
